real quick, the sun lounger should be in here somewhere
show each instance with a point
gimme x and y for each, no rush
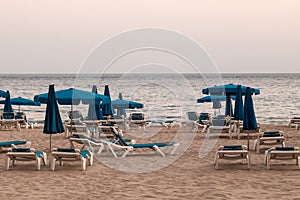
(13, 143)
(8, 121)
(269, 139)
(25, 154)
(138, 119)
(97, 146)
(154, 146)
(22, 119)
(70, 154)
(75, 126)
(294, 122)
(233, 152)
(199, 122)
(282, 153)
(221, 127)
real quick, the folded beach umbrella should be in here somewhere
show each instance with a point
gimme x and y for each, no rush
(238, 106)
(7, 104)
(94, 112)
(53, 123)
(22, 101)
(249, 122)
(106, 107)
(228, 109)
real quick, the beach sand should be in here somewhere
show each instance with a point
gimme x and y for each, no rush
(189, 177)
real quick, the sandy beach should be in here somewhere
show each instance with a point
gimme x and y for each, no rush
(189, 177)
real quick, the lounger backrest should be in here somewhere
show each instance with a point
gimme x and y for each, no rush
(192, 116)
(20, 115)
(75, 115)
(137, 116)
(218, 122)
(118, 137)
(8, 115)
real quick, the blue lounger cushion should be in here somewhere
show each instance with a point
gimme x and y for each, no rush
(39, 153)
(150, 145)
(21, 150)
(66, 149)
(233, 147)
(271, 134)
(284, 148)
(84, 153)
(9, 143)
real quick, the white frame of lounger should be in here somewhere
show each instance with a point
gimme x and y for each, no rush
(24, 156)
(232, 155)
(281, 155)
(69, 157)
(131, 148)
(268, 141)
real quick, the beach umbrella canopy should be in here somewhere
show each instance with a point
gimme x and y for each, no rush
(106, 106)
(121, 104)
(238, 106)
(73, 96)
(3, 94)
(212, 98)
(53, 123)
(94, 112)
(7, 104)
(249, 122)
(227, 89)
(22, 101)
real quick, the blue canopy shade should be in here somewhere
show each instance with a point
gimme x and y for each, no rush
(7, 104)
(212, 98)
(53, 123)
(118, 103)
(238, 107)
(22, 101)
(249, 114)
(73, 96)
(106, 106)
(121, 105)
(228, 89)
(3, 94)
(94, 112)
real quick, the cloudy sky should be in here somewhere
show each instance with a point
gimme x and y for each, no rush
(240, 36)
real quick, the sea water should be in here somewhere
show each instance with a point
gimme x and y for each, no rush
(165, 96)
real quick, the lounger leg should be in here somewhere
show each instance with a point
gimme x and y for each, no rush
(298, 159)
(112, 150)
(126, 152)
(38, 163)
(45, 158)
(7, 163)
(157, 149)
(268, 161)
(248, 160)
(52, 163)
(91, 159)
(217, 161)
(175, 148)
(83, 162)
(100, 149)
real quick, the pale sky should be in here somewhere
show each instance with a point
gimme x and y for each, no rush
(240, 36)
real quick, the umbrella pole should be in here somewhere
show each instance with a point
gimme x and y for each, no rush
(19, 108)
(248, 140)
(71, 118)
(50, 142)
